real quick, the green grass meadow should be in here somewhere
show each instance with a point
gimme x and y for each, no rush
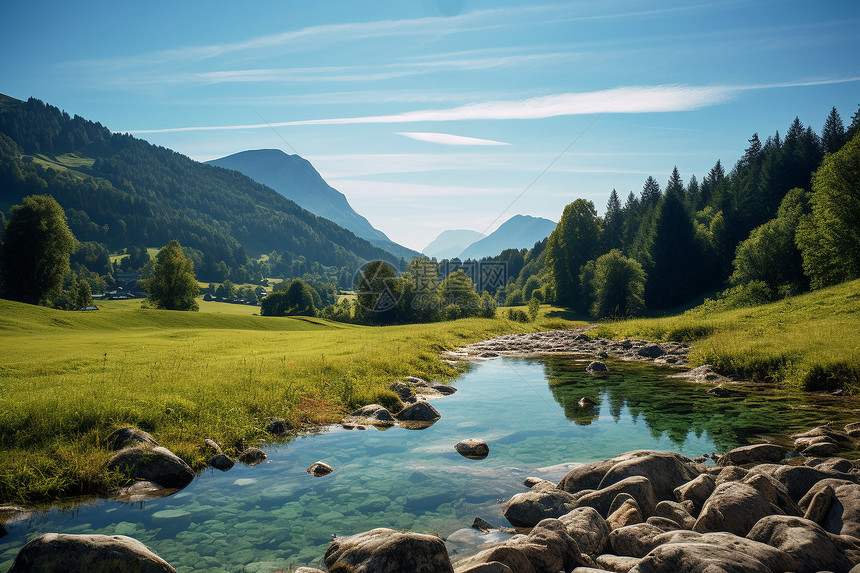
(68, 379)
(810, 341)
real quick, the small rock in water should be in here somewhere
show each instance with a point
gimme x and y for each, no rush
(481, 525)
(443, 388)
(586, 402)
(221, 462)
(650, 351)
(372, 414)
(277, 426)
(473, 448)
(597, 368)
(319, 469)
(721, 392)
(419, 412)
(252, 456)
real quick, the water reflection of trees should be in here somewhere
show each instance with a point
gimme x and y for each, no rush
(667, 407)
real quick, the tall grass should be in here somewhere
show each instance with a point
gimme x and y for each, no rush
(810, 341)
(69, 379)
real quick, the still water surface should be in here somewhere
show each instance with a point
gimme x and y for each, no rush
(276, 516)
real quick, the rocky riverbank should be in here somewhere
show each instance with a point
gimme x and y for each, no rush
(756, 510)
(574, 342)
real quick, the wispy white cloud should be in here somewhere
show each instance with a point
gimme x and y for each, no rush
(345, 74)
(639, 99)
(449, 139)
(623, 100)
(307, 38)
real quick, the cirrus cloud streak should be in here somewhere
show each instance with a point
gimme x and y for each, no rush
(635, 99)
(449, 139)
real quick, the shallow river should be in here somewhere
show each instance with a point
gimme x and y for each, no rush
(276, 516)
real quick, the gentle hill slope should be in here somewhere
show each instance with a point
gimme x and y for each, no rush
(123, 191)
(811, 340)
(296, 179)
(518, 232)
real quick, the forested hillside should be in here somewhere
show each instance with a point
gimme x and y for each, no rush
(124, 192)
(785, 218)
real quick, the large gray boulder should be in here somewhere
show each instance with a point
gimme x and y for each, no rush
(774, 492)
(387, 551)
(799, 479)
(804, 541)
(588, 528)
(637, 486)
(696, 491)
(548, 548)
(635, 540)
(734, 507)
(586, 476)
(843, 514)
(63, 553)
(713, 553)
(756, 453)
(817, 503)
(529, 508)
(158, 465)
(624, 511)
(676, 512)
(664, 470)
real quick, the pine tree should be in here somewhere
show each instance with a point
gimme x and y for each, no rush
(650, 193)
(675, 184)
(674, 255)
(833, 133)
(855, 125)
(613, 223)
(693, 194)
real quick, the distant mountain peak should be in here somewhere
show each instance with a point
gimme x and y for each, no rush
(295, 178)
(518, 232)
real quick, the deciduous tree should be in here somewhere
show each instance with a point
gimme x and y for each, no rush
(574, 242)
(35, 252)
(829, 237)
(172, 285)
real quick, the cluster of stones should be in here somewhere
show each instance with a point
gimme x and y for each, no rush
(575, 342)
(648, 511)
(644, 511)
(417, 412)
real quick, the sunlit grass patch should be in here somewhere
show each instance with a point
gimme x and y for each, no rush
(811, 341)
(69, 379)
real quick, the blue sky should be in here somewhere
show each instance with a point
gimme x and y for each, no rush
(441, 114)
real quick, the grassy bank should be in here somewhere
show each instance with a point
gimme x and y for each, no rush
(69, 378)
(811, 341)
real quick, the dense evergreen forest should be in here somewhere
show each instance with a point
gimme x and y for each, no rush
(785, 218)
(120, 192)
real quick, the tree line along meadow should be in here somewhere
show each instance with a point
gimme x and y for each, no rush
(783, 220)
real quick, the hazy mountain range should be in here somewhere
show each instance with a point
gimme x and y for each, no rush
(449, 244)
(518, 232)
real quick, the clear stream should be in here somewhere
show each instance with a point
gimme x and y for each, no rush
(276, 516)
